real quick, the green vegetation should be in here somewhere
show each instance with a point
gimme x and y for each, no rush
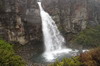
(91, 58)
(88, 37)
(74, 61)
(7, 55)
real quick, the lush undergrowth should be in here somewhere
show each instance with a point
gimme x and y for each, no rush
(91, 58)
(74, 61)
(89, 37)
(8, 56)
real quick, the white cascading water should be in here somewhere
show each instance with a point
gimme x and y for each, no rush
(53, 40)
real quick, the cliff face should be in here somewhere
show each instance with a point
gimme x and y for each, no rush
(20, 21)
(74, 15)
(17, 30)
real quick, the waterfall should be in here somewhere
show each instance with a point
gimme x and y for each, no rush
(53, 40)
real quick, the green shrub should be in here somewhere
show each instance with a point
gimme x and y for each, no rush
(74, 61)
(88, 37)
(8, 57)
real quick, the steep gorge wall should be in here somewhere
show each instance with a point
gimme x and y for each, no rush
(20, 21)
(74, 15)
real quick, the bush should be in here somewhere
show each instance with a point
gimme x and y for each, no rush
(91, 58)
(8, 57)
(74, 61)
(88, 37)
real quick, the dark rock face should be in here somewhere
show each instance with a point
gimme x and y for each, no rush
(74, 15)
(21, 20)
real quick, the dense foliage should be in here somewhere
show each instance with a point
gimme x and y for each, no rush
(8, 57)
(74, 61)
(91, 58)
(88, 37)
